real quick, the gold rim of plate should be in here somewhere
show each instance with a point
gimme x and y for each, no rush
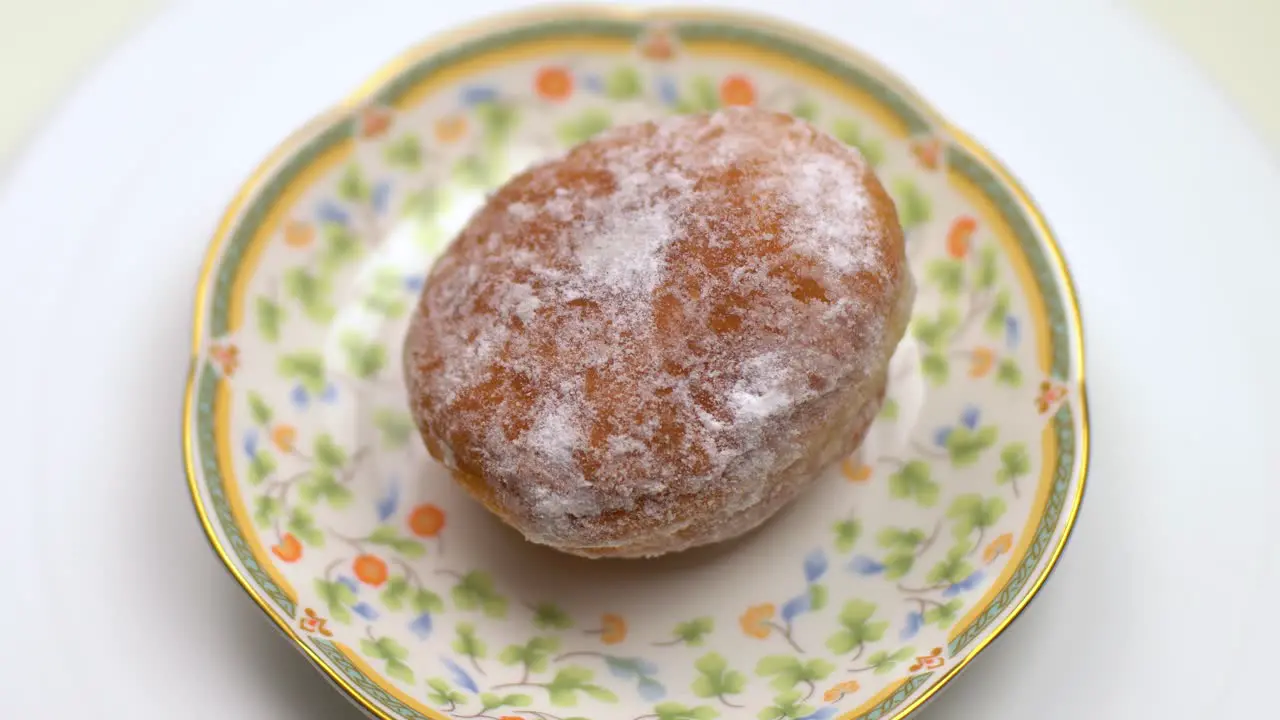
(441, 41)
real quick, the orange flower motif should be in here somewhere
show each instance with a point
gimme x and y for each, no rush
(959, 234)
(451, 129)
(998, 547)
(1049, 396)
(313, 623)
(839, 690)
(855, 471)
(374, 122)
(227, 358)
(370, 570)
(288, 549)
(981, 361)
(928, 152)
(284, 436)
(613, 629)
(755, 621)
(298, 233)
(737, 90)
(509, 717)
(426, 520)
(658, 45)
(932, 661)
(553, 83)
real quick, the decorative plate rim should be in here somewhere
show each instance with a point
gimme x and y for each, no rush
(389, 71)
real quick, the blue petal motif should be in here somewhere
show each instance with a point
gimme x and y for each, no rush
(646, 667)
(330, 393)
(330, 212)
(478, 94)
(388, 503)
(623, 668)
(300, 397)
(251, 443)
(381, 192)
(969, 417)
(421, 626)
(964, 585)
(815, 565)
(795, 606)
(593, 83)
(365, 610)
(352, 585)
(668, 91)
(940, 436)
(1011, 331)
(863, 565)
(414, 283)
(915, 620)
(459, 675)
(825, 712)
(651, 689)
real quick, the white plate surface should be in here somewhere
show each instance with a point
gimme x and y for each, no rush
(1160, 608)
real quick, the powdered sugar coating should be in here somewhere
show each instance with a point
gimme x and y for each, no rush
(646, 334)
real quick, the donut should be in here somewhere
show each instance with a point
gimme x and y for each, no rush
(657, 340)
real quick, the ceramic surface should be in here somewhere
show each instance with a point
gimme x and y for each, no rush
(860, 601)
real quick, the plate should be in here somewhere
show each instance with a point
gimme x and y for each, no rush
(862, 600)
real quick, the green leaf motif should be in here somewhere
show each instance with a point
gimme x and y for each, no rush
(1014, 463)
(424, 204)
(261, 465)
(341, 247)
(303, 526)
(818, 596)
(847, 533)
(935, 367)
(324, 485)
(693, 632)
(497, 120)
(857, 627)
(893, 538)
(478, 171)
(849, 132)
(676, 711)
(889, 411)
(352, 186)
(389, 536)
(549, 616)
(787, 706)
(328, 453)
(898, 564)
(944, 616)
(986, 276)
(805, 110)
(953, 568)
(337, 598)
(404, 152)
(970, 512)
(965, 446)
(467, 643)
(534, 655)
(442, 693)
(311, 291)
(270, 315)
(265, 510)
(914, 207)
(583, 128)
(994, 322)
(623, 83)
(425, 601)
(883, 661)
(1008, 373)
(393, 653)
(705, 96)
(365, 358)
(715, 678)
(475, 592)
(913, 481)
(395, 593)
(305, 367)
(394, 426)
(493, 701)
(788, 671)
(934, 333)
(948, 275)
(568, 682)
(259, 409)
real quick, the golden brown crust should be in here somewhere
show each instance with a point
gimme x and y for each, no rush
(658, 340)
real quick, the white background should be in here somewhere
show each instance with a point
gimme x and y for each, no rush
(112, 605)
